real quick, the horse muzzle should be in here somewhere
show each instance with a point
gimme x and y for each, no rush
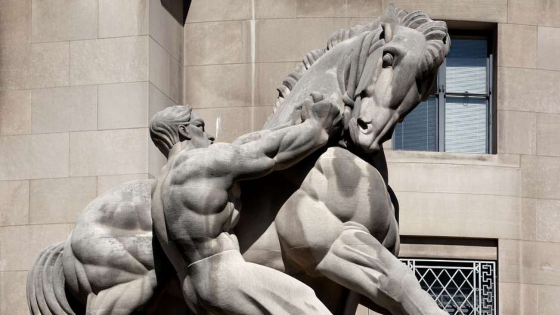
(362, 135)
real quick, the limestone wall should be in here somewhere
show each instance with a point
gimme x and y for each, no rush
(80, 79)
(78, 83)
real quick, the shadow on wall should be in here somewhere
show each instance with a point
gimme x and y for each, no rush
(178, 9)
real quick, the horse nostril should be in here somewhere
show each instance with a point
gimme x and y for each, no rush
(362, 124)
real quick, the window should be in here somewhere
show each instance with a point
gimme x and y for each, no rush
(457, 117)
(460, 287)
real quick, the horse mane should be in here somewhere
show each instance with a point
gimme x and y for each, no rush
(311, 57)
(435, 33)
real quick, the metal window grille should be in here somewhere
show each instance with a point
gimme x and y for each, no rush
(458, 287)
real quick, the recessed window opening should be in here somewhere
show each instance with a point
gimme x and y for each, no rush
(457, 117)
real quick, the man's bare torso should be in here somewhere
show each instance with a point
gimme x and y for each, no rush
(199, 206)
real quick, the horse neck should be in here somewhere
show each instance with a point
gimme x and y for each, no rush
(324, 76)
(379, 162)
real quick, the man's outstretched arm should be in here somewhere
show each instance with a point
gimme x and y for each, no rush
(296, 119)
(281, 148)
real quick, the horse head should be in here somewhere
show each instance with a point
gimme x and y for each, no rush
(383, 70)
(400, 68)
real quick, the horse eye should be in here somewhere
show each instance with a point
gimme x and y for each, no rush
(387, 60)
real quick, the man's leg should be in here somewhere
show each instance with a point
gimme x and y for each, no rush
(226, 284)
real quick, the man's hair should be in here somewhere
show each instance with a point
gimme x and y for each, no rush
(164, 126)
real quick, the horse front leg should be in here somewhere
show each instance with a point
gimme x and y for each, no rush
(358, 261)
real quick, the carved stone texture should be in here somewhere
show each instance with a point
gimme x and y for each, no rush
(317, 231)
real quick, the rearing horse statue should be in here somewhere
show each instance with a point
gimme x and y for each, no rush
(328, 221)
(331, 222)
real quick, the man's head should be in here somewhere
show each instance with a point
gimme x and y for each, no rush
(177, 124)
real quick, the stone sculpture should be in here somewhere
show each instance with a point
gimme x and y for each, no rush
(196, 204)
(378, 73)
(314, 235)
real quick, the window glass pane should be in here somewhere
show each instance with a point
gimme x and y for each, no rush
(466, 124)
(418, 131)
(466, 66)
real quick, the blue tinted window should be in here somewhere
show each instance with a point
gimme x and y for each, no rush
(466, 71)
(418, 131)
(456, 117)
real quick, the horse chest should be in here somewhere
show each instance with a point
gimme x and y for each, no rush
(351, 189)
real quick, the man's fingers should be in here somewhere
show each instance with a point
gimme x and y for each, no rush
(304, 108)
(325, 110)
(317, 97)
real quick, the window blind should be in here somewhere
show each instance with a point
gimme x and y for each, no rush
(462, 105)
(466, 121)
(418, 131)
(466, 66)
(466, 117)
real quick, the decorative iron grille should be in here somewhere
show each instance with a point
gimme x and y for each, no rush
(458, 287)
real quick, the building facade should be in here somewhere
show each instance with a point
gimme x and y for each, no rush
(79, 81)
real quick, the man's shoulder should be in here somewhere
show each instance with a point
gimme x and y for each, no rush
(214, 159)
(206, 153)
(219, 152)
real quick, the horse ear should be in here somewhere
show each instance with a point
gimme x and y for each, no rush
(389, 23)
(387, 32)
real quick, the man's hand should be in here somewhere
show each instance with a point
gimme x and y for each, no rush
(323, 111)
(279, 149)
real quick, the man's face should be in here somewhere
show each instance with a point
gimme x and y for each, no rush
(198, 136)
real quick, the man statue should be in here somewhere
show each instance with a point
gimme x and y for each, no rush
(196, 203)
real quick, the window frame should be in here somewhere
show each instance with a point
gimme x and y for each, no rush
(441, 94)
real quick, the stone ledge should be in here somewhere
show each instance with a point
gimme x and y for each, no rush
(496, 160)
